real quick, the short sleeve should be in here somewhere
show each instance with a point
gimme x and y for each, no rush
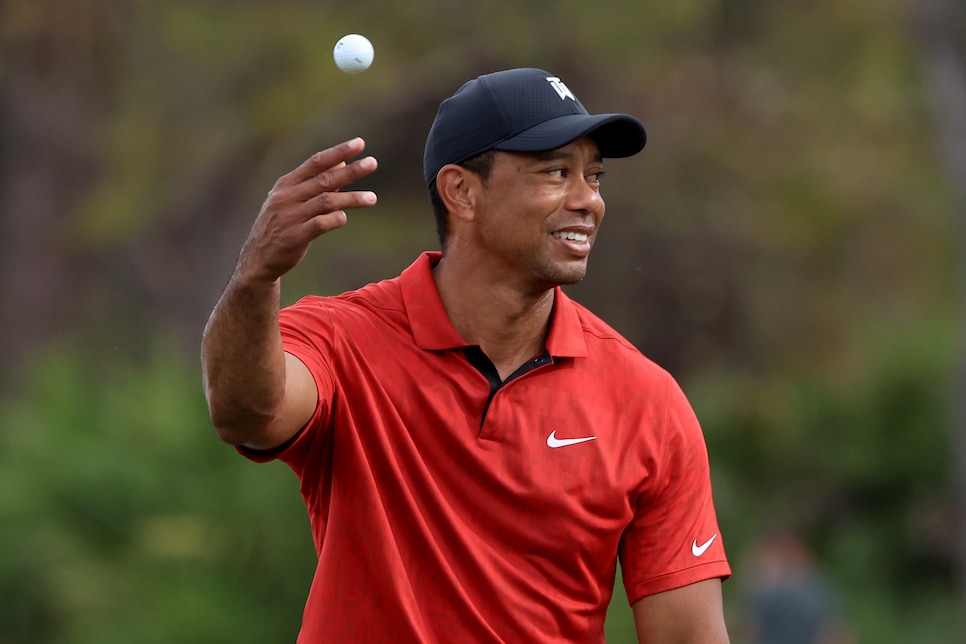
(674, 539)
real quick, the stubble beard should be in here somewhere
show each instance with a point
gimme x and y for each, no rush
(557, 273)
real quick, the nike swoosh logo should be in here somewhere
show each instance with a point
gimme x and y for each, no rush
(697, 550)
(554, 442)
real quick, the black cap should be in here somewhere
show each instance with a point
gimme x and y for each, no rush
(521, 110)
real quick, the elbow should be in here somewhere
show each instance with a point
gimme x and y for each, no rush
(236, 424)
(231, 433)
(257, 417)
(236, 429)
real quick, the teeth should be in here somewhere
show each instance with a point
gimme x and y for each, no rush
(580, 237)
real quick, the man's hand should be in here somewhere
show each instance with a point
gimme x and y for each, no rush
(301, 206)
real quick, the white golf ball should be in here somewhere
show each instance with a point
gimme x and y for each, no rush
(353, 53)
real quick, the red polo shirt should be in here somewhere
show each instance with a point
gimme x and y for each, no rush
(446, 507)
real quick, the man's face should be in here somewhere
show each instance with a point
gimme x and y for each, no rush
(539, 214)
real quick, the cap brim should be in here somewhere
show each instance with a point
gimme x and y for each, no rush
(617, 135)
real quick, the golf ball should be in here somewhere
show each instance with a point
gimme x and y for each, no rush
(353, 53)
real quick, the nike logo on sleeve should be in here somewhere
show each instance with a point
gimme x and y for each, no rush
(697, 550)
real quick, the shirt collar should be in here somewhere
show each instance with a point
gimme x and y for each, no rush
(433, 331)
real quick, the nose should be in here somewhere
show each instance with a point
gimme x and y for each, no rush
(584, 196)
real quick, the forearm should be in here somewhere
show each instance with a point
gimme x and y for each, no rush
(243, 362)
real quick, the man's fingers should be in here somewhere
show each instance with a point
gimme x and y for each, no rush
(323, 161)
(326, 212)
(330, 202)
(334, 178)
(321, 224)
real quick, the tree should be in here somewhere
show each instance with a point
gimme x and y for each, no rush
(941, 43)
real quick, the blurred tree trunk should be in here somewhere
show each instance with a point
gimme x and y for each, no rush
(53, 56)
(941, 42)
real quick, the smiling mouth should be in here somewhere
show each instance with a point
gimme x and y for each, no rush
(571, 236)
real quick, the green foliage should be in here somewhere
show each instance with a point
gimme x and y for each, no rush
(122, 511)
(125, 519)
(856, 463)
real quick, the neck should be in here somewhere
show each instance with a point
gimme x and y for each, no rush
(509, 324)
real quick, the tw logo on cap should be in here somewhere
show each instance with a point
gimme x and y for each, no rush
(562, 90)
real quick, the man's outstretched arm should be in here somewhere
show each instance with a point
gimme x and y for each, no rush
(258, 395)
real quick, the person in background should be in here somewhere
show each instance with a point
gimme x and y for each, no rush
(791, 603)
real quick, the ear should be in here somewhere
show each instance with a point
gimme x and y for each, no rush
(458, 188)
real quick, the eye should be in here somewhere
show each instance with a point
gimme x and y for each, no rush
(557, 172)
(594, 177)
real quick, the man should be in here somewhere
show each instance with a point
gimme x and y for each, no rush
(475, 449)
(791, 600)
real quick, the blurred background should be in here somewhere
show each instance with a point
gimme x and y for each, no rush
(790, 245)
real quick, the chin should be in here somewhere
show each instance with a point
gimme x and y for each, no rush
(566, 275)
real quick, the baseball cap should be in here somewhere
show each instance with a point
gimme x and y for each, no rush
(521, 110)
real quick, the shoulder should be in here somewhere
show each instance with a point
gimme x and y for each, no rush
(384, 295)
(606, 343)
(608, 367)
(351, 316)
